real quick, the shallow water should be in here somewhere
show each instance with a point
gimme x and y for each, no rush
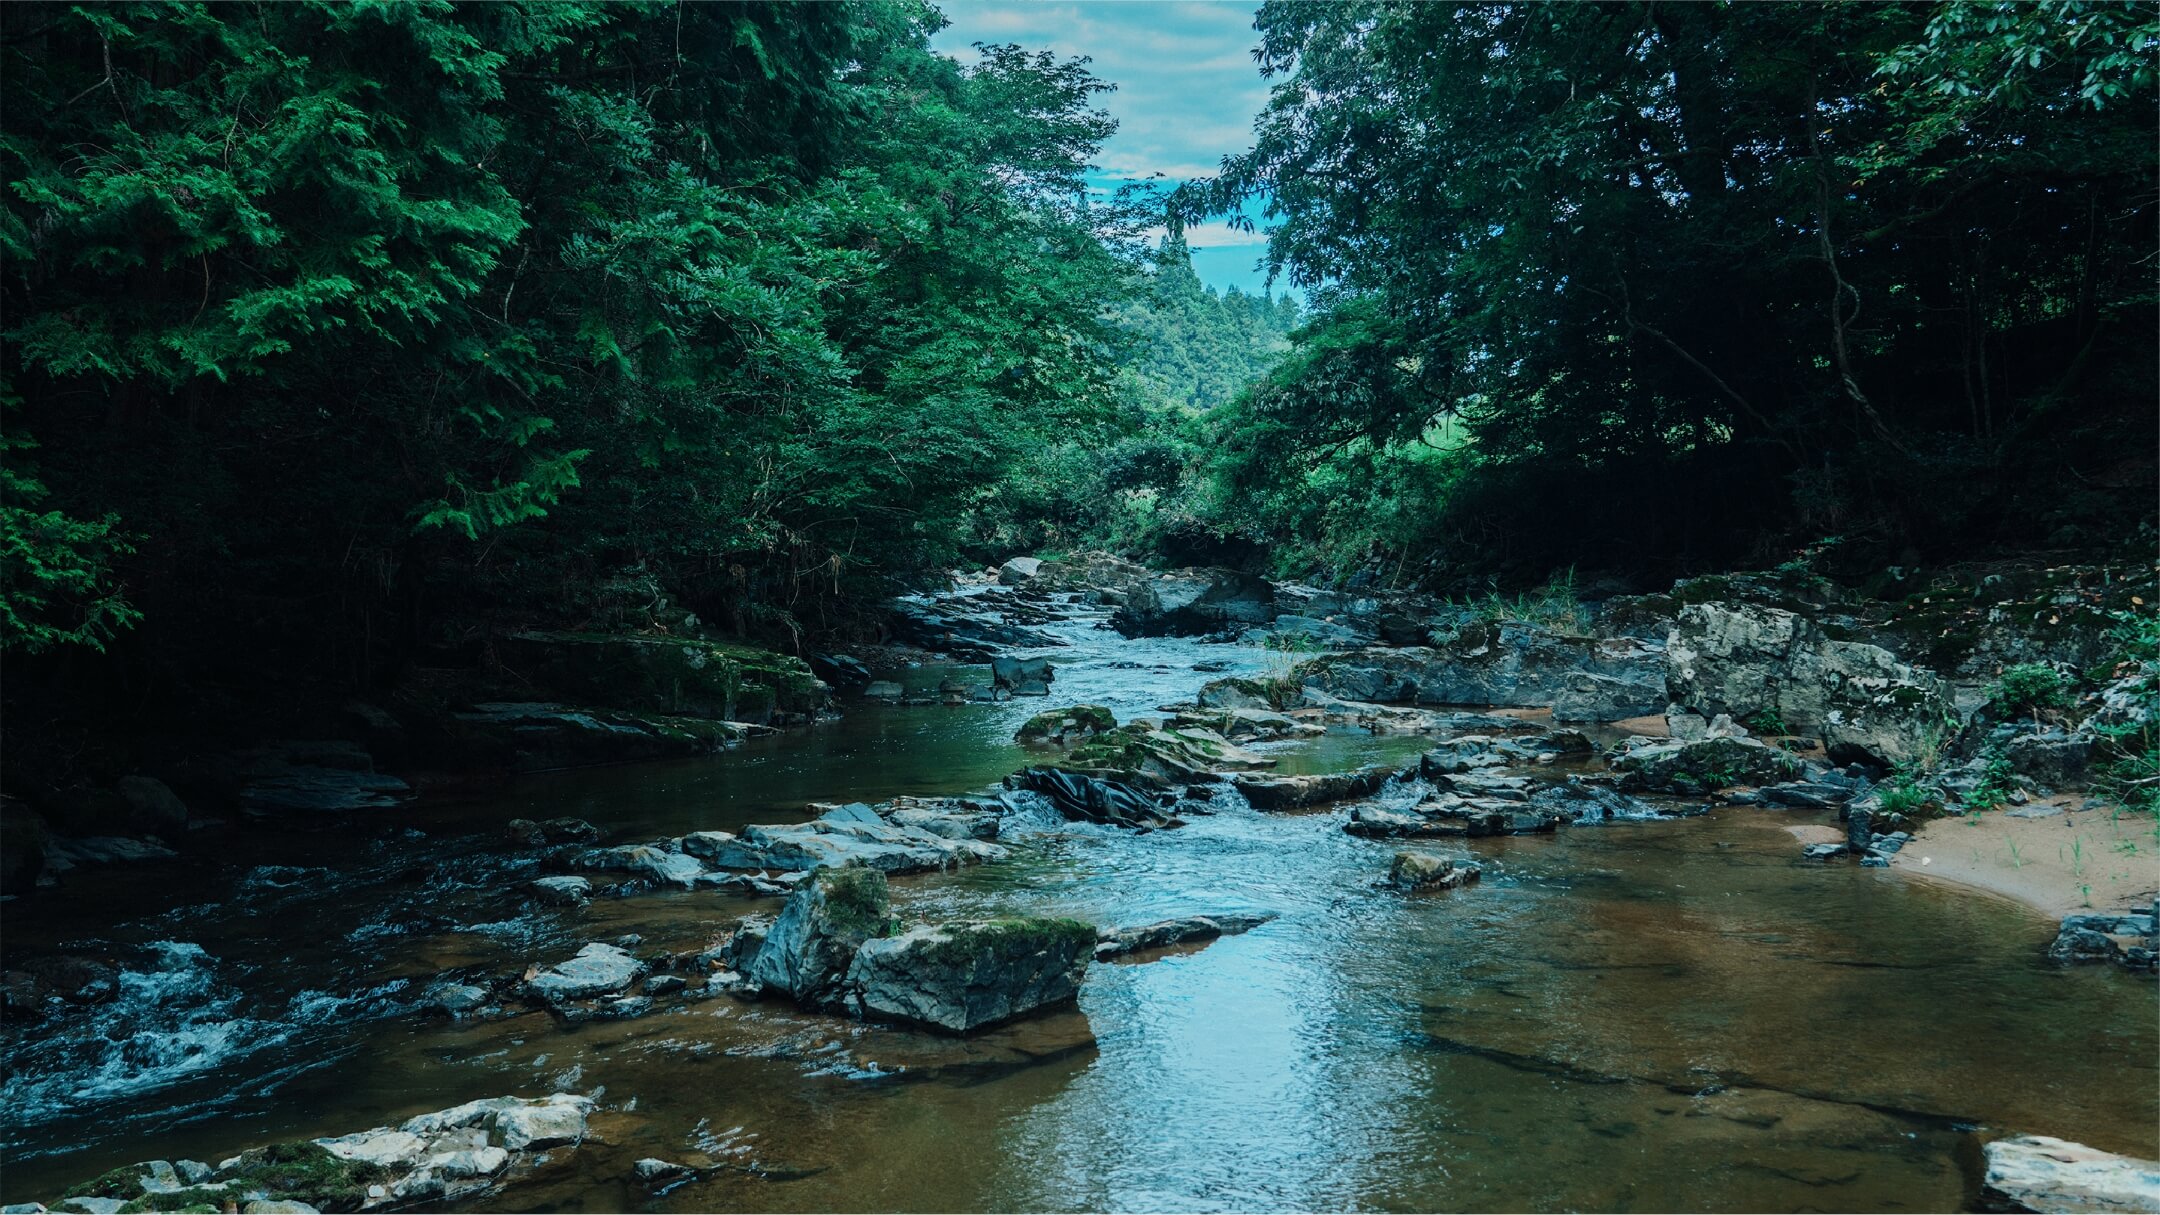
(1671, 1014)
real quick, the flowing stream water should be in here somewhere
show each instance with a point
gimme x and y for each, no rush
(1664, 1015)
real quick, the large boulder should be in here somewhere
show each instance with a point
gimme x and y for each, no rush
(1745, 660)
(965, 976)
(154, 807)
(808, 950)
(668, 675)
(1019, 571)
(1315, 789)
(2038, 1173)
(329, 775)
(538, 736)
(1701, 765)
(1022, 675)
(1143, 753)
(1510, 663)
(1193, 602)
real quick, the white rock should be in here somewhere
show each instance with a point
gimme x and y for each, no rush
(392, 1149)
(278, 1206)
(543, 1123)
(472, 1113)
(470, 1162)
(2037, 1173)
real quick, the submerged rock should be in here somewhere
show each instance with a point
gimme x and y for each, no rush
(2039, 1173)
(598, 969)
(1423, 870)
(965, 976)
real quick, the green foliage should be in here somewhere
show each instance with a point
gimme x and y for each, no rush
(1567, 256)
(1903, 798)
(1766, 721)
(56, 573)
(1997, 780)
(1557, 605)
(344, 331)
(2029, 687)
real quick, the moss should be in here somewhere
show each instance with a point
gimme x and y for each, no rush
(123, 1182)
(194, 1198)
(857, 900)
(309, 1173)
(1060, 723)
(962, 943)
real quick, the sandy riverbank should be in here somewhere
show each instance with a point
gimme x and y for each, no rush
(2063, 864)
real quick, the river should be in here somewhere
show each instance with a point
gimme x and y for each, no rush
(1667, 1014)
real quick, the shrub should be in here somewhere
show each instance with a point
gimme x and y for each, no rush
(2029, 687)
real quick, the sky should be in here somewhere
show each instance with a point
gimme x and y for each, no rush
(1187, 90)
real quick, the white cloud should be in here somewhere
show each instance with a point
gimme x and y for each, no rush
(1214, 235)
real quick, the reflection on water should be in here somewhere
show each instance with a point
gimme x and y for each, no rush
(1656, 1015)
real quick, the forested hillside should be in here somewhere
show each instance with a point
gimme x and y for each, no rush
(342, 334)
(1652, 287)
(343, 337)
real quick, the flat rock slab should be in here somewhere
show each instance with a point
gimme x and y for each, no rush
(1166, 934)
(1296, 792)
(2037, 1173)
(597, 970)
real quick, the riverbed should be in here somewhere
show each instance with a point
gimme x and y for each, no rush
(1667, 1014)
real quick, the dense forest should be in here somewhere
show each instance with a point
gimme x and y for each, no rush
(339, 337)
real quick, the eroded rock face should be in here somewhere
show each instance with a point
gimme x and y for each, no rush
(1510, 663)
(965, 976)
(2038, 1173)
(1744, 659)
(808, 950)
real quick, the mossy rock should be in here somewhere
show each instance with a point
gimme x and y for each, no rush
(858, 901)
(306, 1172)
(958, 944)
(671, 675)
(1067, 725)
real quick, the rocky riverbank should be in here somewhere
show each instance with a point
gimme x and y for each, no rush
(807, 921)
